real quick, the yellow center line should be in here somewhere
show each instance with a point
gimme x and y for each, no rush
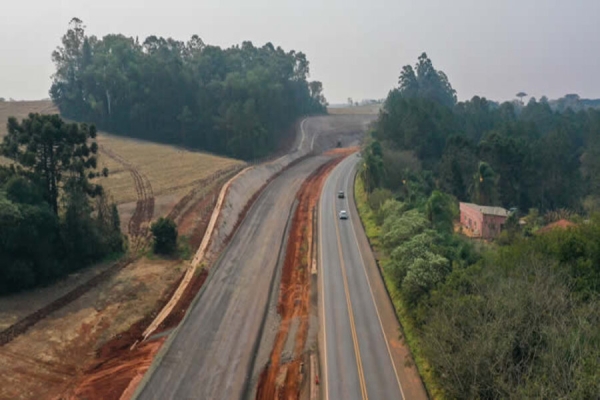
(387, 343)
(361, 376)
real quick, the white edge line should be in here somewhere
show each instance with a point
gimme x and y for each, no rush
(326, 382)
(387, 345)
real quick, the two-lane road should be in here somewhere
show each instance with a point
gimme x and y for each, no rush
(358, 363)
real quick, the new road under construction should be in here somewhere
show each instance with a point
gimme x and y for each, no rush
(282, 300)
(241, 318)
(294, 307)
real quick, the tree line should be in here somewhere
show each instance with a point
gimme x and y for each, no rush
(513, 319)
(53, 220)
(236, 101)
(524, 156)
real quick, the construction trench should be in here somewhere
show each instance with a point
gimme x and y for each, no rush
(292, 371)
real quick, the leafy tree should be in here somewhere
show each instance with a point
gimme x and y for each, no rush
(441, 210)
(372, 169)
(48, 227)
(57, 153)
(237, 101)
(397, 229)
(506, 156)
(557, 171)
(427, 83)
(484, 185)
(378, 198)
(423, 275)
(457, 166)
(520, 95)
(399, 166)
(164, 231)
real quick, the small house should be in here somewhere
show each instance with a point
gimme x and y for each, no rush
(482, 221)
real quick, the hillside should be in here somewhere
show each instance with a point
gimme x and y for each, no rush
(166, 172)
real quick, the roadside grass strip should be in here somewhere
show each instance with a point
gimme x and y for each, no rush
(410, 332)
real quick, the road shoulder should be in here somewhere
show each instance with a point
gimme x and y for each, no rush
(412, 385)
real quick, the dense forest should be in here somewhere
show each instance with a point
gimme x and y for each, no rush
(53, 221)
(509, 154)
(236, 101)
(512, 319)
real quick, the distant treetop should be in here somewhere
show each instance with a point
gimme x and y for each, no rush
(426, 82)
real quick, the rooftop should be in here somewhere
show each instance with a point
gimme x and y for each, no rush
(487, 210)
(560, 224)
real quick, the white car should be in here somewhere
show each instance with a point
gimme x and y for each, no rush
(343, 214)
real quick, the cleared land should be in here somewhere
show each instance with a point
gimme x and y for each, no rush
(171, 170)
(371, 109)
(43, 362)
(147, 180)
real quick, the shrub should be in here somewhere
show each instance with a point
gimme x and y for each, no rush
(165, 236)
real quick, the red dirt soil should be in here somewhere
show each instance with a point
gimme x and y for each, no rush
(122, 362)
(194, 220)
(283, 380)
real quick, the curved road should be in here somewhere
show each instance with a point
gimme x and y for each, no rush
(356, 355)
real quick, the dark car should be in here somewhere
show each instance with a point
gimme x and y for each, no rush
(341, 194)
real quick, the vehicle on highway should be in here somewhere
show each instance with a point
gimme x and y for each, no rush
(343, 214)
(341, 194)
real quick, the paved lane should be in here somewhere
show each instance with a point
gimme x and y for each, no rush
(211, 352)
(358, 363)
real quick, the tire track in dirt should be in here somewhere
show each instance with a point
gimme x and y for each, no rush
(138, 226)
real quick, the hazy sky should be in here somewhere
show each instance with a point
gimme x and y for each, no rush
(491, 48)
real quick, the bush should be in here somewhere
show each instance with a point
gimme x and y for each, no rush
(165, 236)
(378, 197)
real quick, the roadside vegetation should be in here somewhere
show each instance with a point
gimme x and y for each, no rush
(164, 233)
(53, 221)
(513, 319)
(236, 101)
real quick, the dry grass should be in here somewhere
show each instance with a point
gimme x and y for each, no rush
(371, 109)
(169, 169)
(21, 109)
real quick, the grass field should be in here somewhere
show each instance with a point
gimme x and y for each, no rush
(21, 109)
(170, 170)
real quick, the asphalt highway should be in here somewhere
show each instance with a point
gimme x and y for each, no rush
(211, 352)
(358, 362)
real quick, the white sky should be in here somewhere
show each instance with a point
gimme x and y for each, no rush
(490, 48)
